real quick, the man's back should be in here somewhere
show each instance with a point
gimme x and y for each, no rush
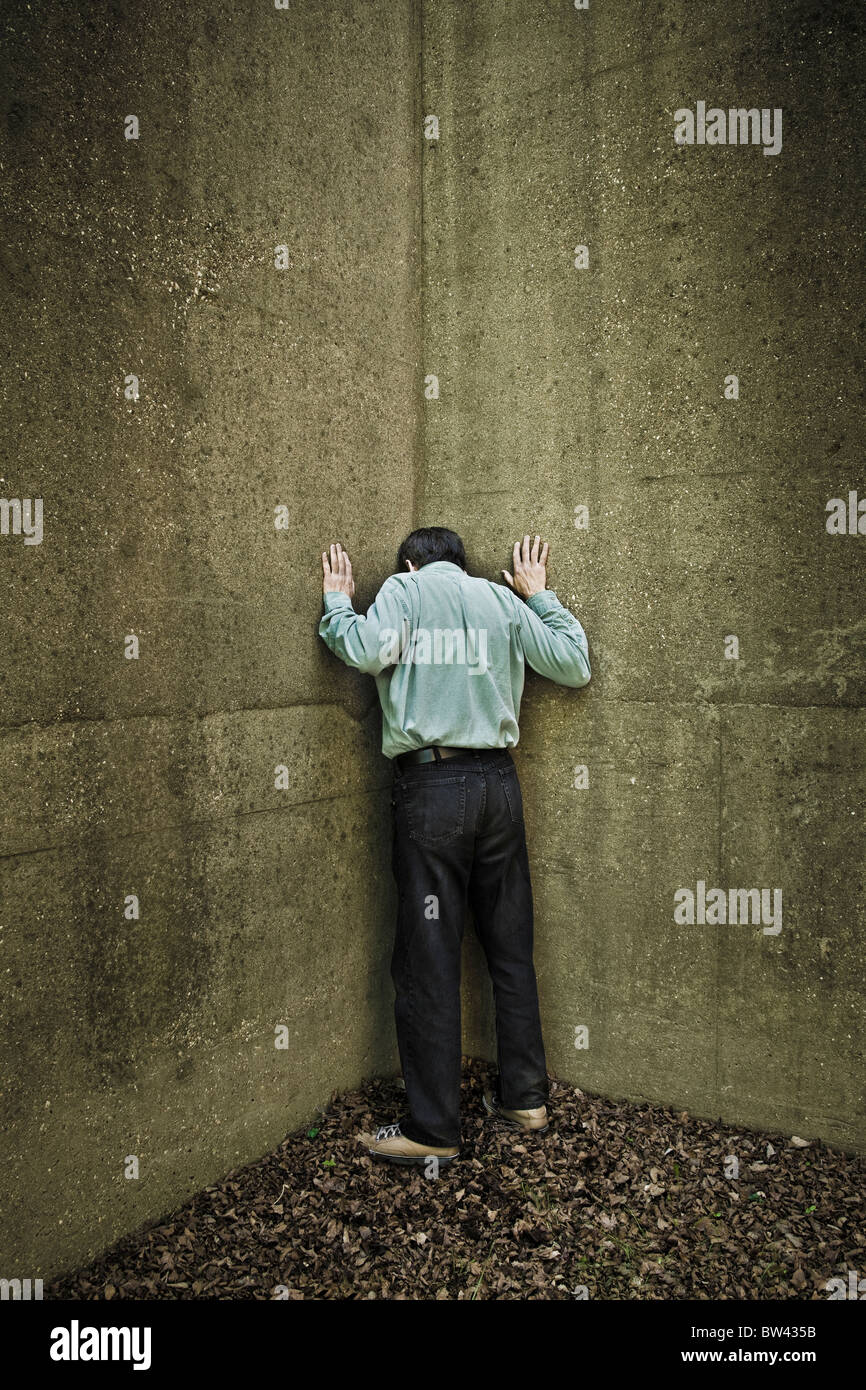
(448, 652)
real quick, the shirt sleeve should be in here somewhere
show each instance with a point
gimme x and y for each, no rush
(554, 642)
(370, 643)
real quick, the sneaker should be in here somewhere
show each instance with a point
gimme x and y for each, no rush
(389, 1143)
(534, 1120)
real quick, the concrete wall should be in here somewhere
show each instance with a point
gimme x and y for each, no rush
(558, 387)
(156, 776)
(605, 387)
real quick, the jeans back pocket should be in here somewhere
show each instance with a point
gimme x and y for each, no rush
(513, 795)
(435, 808)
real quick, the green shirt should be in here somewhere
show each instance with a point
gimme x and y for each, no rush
(448, 653)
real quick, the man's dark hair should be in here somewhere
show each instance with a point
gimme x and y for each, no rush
(429, 544)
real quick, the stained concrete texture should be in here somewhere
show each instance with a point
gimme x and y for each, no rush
(604, 387)
(264, 898)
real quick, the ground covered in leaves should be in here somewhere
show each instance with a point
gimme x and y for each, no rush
(616, 1201)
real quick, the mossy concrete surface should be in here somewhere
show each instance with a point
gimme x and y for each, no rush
(603, 388)
(265, 901)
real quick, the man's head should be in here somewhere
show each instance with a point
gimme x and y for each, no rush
(429, 544)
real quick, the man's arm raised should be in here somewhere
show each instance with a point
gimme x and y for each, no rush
(366, 643)
(554, 642)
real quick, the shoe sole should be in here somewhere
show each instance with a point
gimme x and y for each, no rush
(402, 1161)
(512, 1124)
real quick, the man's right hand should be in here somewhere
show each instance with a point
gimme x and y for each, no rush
(530, 568)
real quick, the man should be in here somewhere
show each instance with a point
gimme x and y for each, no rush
(448, 654)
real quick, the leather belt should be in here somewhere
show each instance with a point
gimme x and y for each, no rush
(432, 754)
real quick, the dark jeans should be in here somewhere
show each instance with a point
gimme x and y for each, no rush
(459, 837)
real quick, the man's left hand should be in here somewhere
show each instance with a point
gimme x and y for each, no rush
(338, 572)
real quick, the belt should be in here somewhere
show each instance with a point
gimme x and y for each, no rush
(432, 754)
